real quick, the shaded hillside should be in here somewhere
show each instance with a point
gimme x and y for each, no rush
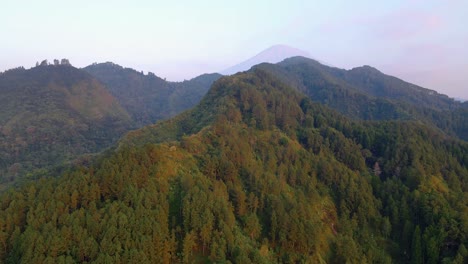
(365, 93)
(52, 114)
(149, 98)
(256, 173)
(335, 93)
(375, 83)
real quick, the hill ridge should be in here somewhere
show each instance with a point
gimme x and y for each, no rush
(51, 114)
(257, 172)
(147, 97)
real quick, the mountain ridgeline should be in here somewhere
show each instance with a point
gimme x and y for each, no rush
(257, 172)
(366, 93)
(51, 115)
(149, 98)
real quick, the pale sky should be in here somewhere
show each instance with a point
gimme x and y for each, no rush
(424, 42)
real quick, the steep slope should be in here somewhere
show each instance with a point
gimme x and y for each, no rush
(375, 83)
(256, 173)
(273, 54)
(52, 114)
(149, 98)
(365, 93)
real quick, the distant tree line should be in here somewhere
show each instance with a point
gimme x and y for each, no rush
(56, 62)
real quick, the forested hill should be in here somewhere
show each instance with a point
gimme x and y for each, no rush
(366, 93)
(255, 173)
(373, 82)
(149, 98)
(51, 114)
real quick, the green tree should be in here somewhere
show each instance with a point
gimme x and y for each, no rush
(252, 226)
(416, 247)
(188, 244)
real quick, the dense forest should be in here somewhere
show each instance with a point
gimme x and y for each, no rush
(149, 98)
(54, 115)
(257, 172)
(366, 93)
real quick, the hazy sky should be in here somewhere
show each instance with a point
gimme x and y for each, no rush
(424, 42)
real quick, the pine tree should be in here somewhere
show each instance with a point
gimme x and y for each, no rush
(416, 247)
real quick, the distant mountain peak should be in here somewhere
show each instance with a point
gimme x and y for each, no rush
(279, 49)
(273, 54)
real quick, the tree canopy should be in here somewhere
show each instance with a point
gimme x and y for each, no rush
(256, 173)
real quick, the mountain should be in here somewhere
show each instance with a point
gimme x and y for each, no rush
(54, 114)
(149, 98)
(370, 81)
(255, 173)
(366, 93)
(273, 54)
(51, 114)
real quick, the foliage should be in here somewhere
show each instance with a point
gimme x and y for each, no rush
(149, 98)
(367, 94)
(52, 114)
(256, 173)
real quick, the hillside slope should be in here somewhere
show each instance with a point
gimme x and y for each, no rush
(52, 114)
(256, 173)
(149, 98)
(365, 93)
